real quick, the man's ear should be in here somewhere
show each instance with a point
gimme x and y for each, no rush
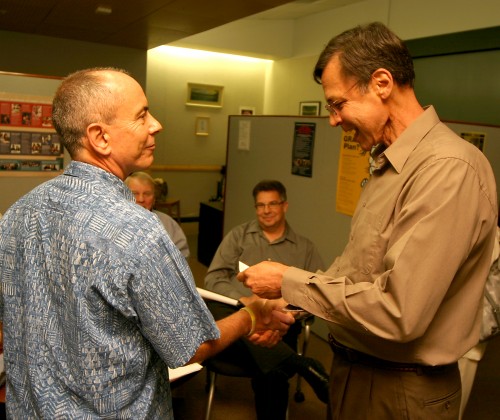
(98, 139)
(382, 82)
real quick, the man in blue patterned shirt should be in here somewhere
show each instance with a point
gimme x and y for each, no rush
(96, 300)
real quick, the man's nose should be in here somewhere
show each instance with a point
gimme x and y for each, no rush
(335, 119)
(155, 127)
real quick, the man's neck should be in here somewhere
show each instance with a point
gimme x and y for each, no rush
(274, 233)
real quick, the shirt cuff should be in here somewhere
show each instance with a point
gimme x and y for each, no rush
(294, 285)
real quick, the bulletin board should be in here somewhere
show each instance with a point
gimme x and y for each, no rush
(30, 150)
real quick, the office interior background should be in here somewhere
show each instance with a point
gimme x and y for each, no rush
(263, 62)
(456, 44)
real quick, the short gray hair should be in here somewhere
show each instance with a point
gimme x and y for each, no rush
(83, 98)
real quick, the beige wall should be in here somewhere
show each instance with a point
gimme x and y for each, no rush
(169, 72)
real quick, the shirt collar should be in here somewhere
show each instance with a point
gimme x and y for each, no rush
(398, 152)
(86, 170)
(289, 235)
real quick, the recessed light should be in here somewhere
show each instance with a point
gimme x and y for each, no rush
(103, 10)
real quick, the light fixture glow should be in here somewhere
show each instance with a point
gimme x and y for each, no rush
(202, 54)
(102, 9)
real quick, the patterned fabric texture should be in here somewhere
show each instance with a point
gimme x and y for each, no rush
(96, 302)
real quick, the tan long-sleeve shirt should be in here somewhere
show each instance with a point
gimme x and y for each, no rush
(409, 285)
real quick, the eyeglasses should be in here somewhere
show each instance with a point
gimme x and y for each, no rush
(273, 205)
(336, 106)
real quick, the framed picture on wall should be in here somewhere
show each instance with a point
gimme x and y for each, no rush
(310, 108)
(202, 126)
(204, 95)
(247, 110)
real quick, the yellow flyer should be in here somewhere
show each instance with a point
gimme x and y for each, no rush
(354, 172)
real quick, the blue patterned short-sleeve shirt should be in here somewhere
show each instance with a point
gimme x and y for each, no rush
(96, 302)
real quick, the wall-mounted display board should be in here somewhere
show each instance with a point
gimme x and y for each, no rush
(30, 149)
(28, 141)
(270, 152)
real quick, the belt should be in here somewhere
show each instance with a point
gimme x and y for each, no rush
(355, 356)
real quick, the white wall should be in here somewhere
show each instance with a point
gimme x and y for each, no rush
(169, 72)
(290, 83)
(409, 19)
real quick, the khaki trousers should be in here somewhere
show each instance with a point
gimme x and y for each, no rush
(360, 392)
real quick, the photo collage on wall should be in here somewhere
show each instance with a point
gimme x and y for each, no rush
(19, 142)
(25, 114)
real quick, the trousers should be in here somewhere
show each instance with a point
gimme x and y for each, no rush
(359, 391)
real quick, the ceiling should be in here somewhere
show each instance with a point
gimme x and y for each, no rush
(143, 24)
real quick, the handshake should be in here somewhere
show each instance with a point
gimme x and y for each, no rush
(265, 281)
(269, 320)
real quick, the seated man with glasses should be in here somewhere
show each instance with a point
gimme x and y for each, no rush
(268, 238)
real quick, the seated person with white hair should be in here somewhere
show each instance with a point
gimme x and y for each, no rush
(142, 186)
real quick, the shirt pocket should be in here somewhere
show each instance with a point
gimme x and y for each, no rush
(365, 245)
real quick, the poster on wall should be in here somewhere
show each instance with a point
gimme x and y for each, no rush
(303, 148)
(353, 173)
(25, 114)
(30, 143)
(475, 138)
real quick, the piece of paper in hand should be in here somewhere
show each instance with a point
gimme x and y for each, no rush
(174, 374)
(242, 266)
(207, 294)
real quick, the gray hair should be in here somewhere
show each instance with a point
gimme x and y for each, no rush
(83, 98)
(364, 49)
(143, 176)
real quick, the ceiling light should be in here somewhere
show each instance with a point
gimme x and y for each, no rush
(103, 10)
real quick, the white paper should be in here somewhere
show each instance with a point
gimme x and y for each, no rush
(207, 294)
(242, 266)
(244, 135)
(179, 372)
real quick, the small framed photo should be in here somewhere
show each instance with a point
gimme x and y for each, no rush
(247, 110)
(204, 95)
(310, 108)
(202, 126)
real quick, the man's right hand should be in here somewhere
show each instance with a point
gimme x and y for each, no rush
(264, 279)
(271, 323)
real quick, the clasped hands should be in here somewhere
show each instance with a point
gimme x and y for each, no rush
(264, 279)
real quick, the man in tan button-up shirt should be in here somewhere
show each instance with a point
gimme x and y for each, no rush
(403, 301)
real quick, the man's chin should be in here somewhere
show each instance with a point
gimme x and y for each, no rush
(363, 143)
(145, 163)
